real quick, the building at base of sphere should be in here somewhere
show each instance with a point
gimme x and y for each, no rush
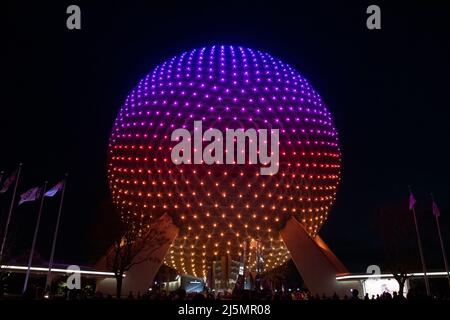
(315, 262)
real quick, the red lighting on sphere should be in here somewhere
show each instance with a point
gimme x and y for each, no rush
(221, 208)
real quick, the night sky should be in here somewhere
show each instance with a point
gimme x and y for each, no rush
(388, 91)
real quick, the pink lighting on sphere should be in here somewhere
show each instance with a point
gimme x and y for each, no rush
(221, 208)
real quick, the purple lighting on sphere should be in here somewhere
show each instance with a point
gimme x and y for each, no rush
(222, 208)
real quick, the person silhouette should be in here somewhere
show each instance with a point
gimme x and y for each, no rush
(355, 294)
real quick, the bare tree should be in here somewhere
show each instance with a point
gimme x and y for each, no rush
(395, 227)
(135, 246)
(126, 243)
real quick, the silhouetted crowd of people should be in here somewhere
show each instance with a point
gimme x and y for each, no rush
(267, 295)
(180, 294)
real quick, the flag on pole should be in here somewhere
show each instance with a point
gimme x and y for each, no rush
(51, 192)
(436, 211)
(31, 195)
(412, 201)
(8, 182)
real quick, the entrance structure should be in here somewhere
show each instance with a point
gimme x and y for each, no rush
(315, 262)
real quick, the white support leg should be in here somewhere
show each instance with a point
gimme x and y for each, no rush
(315, 262)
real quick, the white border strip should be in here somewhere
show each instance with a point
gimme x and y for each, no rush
(57, 270)
(388, 275)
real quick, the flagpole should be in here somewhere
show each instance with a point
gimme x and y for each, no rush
(443, 250)
(38, 221)
(55, 237)
(10, 212)
(422, 258)
(444, 256)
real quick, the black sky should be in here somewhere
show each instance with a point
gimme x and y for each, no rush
(388, 91)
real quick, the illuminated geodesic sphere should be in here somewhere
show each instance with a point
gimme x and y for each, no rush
(224, 208)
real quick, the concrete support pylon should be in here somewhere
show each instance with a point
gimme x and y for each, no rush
(315, 262)
(141, 276)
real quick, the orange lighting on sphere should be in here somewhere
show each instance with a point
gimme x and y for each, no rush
(224, 208)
